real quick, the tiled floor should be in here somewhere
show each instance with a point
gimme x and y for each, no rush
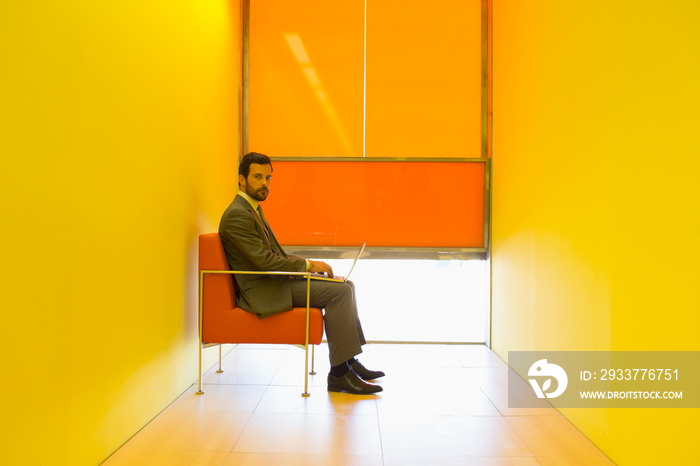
(441, 405)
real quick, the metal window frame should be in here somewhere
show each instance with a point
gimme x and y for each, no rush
(485, 151)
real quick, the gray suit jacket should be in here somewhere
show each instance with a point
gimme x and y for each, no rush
(250, 246)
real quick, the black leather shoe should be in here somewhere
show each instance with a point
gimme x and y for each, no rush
(365, 373)
(351, 383)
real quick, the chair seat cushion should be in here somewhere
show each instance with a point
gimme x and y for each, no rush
(239, 326)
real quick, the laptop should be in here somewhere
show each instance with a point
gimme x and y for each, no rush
(318, 276)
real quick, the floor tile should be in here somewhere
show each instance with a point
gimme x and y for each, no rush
(552, 436)
(598, 460)
(422, 460)
(177, 435)
(248, 354)
(243, 374)
(310, 433)
(293, 375)
(442, 391)
(300, 459)
(494, 383)
(290, 369)
(226, 398)
(408, 377)
(387, 356)
(126, 457)
(476, 356)
(287, 400)
(177, 431)
(449, 436)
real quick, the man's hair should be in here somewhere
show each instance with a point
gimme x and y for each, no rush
(252, 157)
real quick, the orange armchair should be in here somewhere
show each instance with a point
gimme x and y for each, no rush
(221, 321)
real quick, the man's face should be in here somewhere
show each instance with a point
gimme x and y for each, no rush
(257, 185)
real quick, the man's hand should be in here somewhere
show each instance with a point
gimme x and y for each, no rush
(321, 267)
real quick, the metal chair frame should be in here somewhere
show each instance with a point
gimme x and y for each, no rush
(202, 345)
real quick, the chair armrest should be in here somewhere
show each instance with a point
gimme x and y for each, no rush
(249, 272)
(202, 272)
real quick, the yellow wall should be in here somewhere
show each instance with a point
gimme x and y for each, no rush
(118, 141)
(596, 232)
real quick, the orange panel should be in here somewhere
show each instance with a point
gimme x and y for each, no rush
(399, 204)
(306, 78)
(423, 79)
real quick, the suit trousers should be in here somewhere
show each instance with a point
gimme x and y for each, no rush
(342, 323)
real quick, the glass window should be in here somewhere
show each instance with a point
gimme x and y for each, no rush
(306, 78)
(423, 79)
(420, 300)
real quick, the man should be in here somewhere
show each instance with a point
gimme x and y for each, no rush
(250, 245)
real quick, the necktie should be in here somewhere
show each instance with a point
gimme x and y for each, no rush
(274, 243)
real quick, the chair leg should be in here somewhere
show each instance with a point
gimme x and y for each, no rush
(200, 391)
(313, 360)
(306, 339)
(201, 344)
(306, 371)
(220, 369)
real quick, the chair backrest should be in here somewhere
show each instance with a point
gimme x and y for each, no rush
(220, 294)
(211, 252)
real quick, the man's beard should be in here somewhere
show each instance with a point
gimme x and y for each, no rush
(259, 195)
